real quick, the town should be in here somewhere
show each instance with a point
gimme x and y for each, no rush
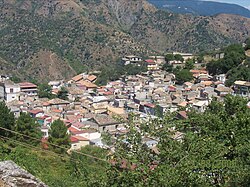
(89, 111)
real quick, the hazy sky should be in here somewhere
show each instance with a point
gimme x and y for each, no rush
(245, 3)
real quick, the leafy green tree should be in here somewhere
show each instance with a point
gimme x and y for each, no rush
(169, 57)
(58, 136)
(241, 72)
(200, 58)
(178, 57)
(7, 120)
(189, 64)
(233, 57)
(183, 75)
(44, 91)
(27, 126)
(63, 93)
(213, 150)
(167, 67)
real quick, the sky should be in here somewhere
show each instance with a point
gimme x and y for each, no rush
(245, 3)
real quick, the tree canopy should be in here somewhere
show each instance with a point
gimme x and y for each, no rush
(212, 151)
(183, 75)
(58, 136)
(233, 56)
(7, 120)
(44, 91)
(26, 125)
(63, 93)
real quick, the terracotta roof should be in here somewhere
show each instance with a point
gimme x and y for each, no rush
(27, 85)
(196, 71)
(80, 138)
(150, 61)
(35, 111)
(56, 110)
(77, 78)
(207, 83)
(223, 89)
(87, 84)
(91, 78)
(73, 139)
(150, 105)
(57, 101)
(183, 114)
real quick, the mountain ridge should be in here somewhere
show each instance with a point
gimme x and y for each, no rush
(85, 35)
(203, 8)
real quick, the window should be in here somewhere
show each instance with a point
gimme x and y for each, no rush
(11, 90)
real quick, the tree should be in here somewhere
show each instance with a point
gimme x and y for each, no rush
(44, 91)
(200, 58)
(29, 127)
(63, 93)
(168, 67)
(213, 151)
(183, 75)
(178, 57)
(169, 57)
(7, 120)
(189, 64)
(233, 57)
(58, 136)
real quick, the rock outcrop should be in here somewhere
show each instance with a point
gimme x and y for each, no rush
(12, 175)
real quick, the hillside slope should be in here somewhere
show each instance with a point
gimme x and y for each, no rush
(85, 34)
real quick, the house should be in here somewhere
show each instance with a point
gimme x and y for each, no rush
(200, 106)
(86, 85)
(151, 65)
(9, 91)
(159, 59)
(223, 90)
(98, 104)
(77, 142)
(36, 113)
(197, 73)
(91, 78)
(131, 59)
(45, 131)
(221, 78)
(107, 123)
(28, 88)
(242, 88)
(149, 108)
(55, 84)
(74, 93)
(56, 104)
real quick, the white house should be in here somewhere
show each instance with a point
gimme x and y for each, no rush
(10, 90)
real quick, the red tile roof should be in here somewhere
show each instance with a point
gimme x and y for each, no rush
(27, 85)
(35, 111)
(80, 138)
(150, 61)
(73, 139)
(150, 105)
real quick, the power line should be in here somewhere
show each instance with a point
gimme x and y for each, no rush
(33, 147)
(84, 154)
(36, 148)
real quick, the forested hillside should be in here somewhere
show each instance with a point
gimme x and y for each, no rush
(74, 36)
